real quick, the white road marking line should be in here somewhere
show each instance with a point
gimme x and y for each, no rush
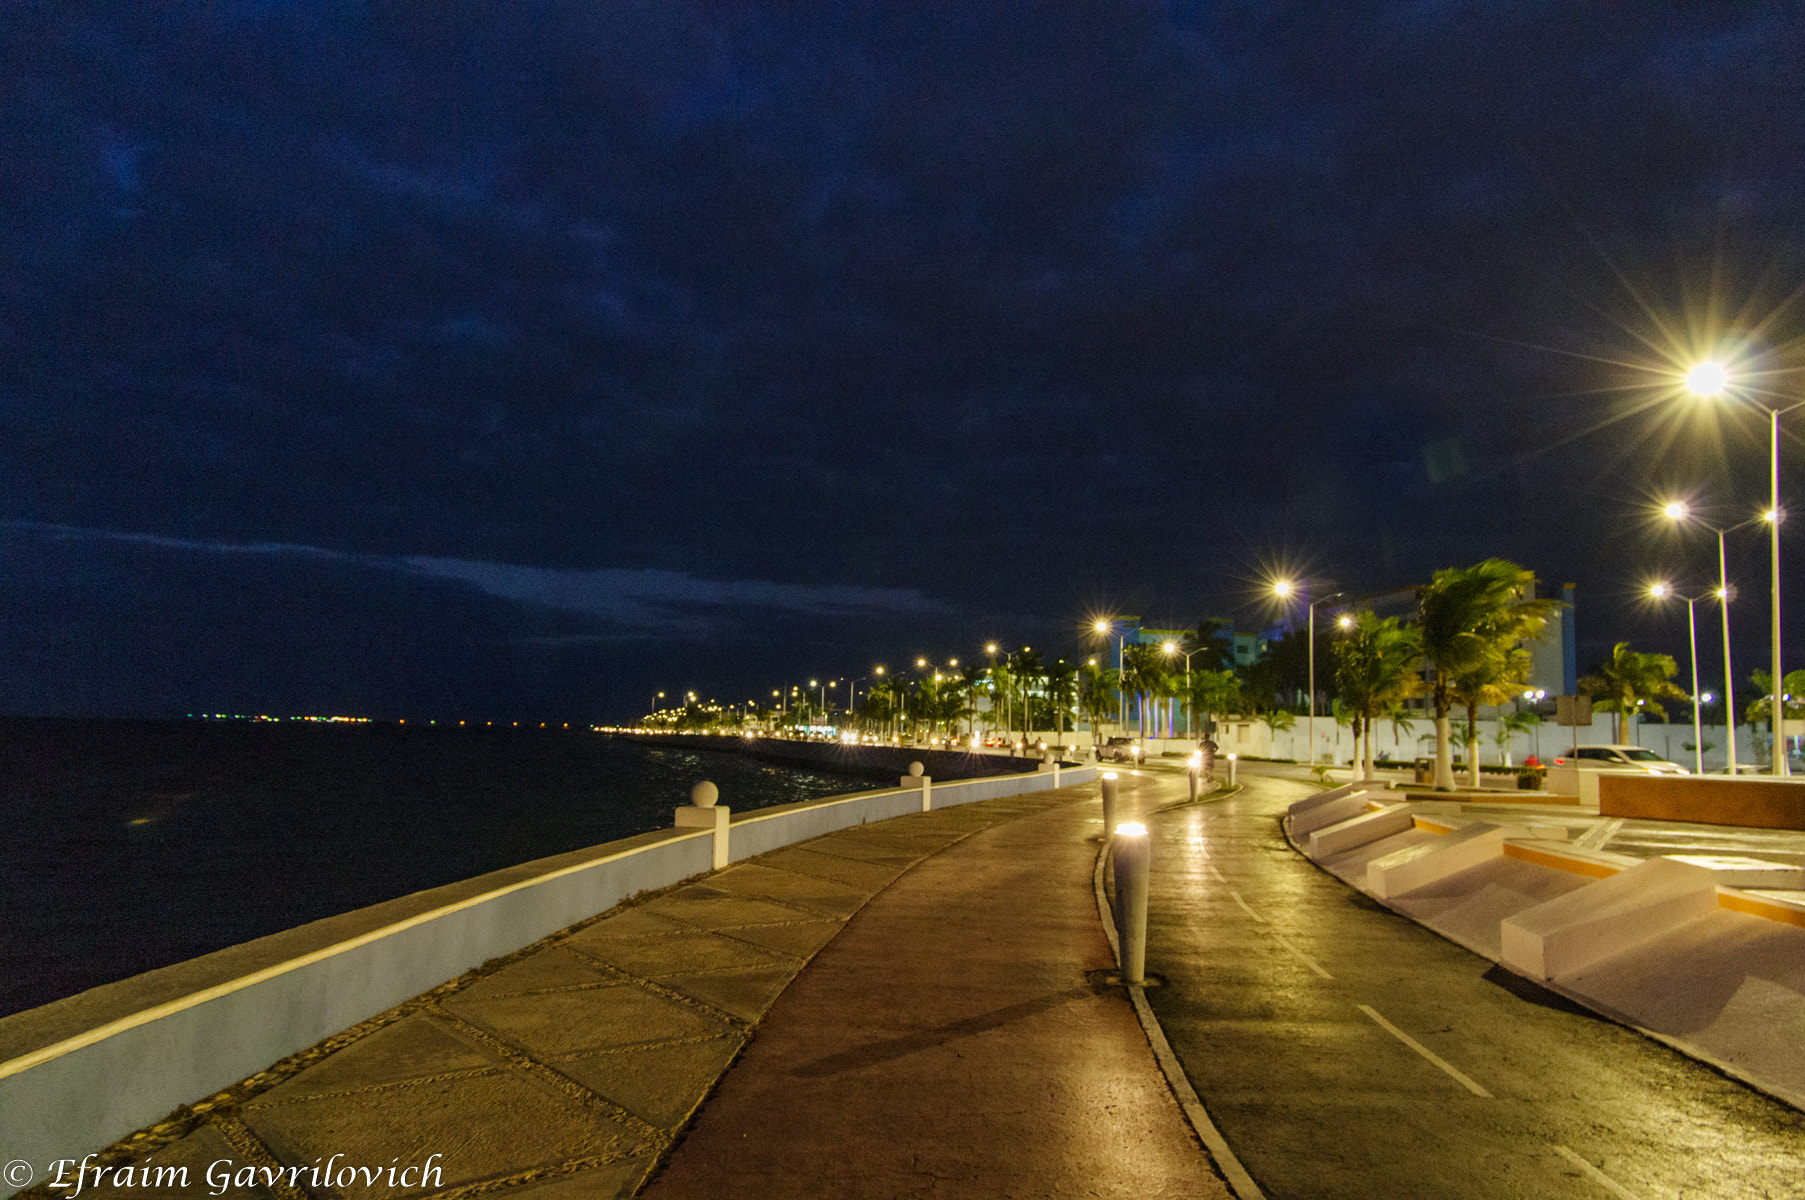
(1220, 877)
(1308, 961)
(1427, 1053)
(1595, 1175)
(1250, 912)
(1595, 837)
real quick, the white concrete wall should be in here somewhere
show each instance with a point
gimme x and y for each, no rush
(79, 1094)
(1336, 742)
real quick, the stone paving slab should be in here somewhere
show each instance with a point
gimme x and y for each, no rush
(564, 1070)
(956, 1041)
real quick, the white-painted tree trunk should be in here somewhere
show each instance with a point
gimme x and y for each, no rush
(1444, 754)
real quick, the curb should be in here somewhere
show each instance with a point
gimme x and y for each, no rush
(1238, 1179)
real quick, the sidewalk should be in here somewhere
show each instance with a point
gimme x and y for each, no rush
(949, 1041)
(954, 1040)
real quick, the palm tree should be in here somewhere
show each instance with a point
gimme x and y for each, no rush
(1002, 683)
(1259, 685)
(1493, 680)
(1792, 708)
(1097, 696)
(1375, 670)
(1062, 693)
(1510, 724)
(1206, 645)
(1398, 714)
(1279, 719)
(1028, 673)
(1143, 672)
(1213, 692)
(1631, 681)
(1463, 616)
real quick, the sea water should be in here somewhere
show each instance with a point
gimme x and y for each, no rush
(130, 845)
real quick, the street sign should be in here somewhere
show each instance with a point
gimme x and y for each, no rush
(1573, 710)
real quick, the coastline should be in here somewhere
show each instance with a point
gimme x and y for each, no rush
(881, 763)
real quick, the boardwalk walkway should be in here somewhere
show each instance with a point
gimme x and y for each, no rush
(949, 1041)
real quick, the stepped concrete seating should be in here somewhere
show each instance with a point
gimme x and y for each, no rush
(1564, 856)
(1359, 830)
(1432, 861)
(1321, 798)
(1737, 872)
(1331, 807)
(1633, 906)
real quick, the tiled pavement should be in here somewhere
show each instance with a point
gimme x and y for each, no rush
(567, 1068)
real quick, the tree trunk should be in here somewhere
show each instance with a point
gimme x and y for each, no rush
(1444, 753)
(1367, 762)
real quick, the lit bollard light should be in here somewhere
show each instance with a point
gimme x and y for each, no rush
(1231, 770)
(1109, 802)
(1194, 775)
(1130, 856)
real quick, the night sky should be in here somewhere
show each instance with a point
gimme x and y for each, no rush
(519, 360)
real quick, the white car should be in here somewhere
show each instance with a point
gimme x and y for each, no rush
(1621, 758)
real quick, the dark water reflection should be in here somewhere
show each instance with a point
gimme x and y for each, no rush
(129, 845)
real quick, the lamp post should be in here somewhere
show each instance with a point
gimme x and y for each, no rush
(1190, 722)
(1710, 380)
(1284, 588)
(1678, 511)
(1103, 628)
(1538, 695)
(1661, 591)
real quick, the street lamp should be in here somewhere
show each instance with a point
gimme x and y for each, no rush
(1283, 589)
(1710, 380)
(1190, 723)
(1661, 591)
(1103, 627)
(1538, 695)
(1678, 511)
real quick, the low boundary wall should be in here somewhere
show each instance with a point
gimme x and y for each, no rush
(82, 1072)
(1754, 803)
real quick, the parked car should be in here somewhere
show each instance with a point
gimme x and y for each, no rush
(1620, 758)
(1121, 749)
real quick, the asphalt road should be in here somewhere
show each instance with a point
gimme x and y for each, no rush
(1346, 1052)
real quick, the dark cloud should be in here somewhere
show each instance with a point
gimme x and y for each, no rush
(917, 312)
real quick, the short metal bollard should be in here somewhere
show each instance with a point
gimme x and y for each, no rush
(1231, 770)
(1109, 803)
(1129, 853)
(1192, 774)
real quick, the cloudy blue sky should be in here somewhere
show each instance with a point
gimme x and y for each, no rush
(520, 360)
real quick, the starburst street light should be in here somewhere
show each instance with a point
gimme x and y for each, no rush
(1710, 380)
(1679, 511)
(1707, 379)
(1662, 591)
(1102, 627)
(1171, 648)
(1284, 589)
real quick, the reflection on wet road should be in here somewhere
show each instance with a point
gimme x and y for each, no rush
(1346, 1052)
